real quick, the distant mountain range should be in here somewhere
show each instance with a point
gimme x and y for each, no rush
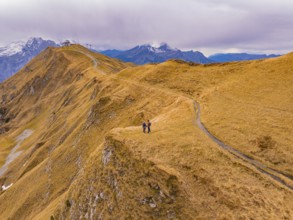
(230, 57)
(15, 55)
(143, 54)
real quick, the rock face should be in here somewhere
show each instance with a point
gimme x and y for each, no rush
(143, 54)
(14, 56)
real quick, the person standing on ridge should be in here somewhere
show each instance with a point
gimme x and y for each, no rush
(149, 126)
(144, 125)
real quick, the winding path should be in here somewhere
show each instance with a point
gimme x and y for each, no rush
(278, 176)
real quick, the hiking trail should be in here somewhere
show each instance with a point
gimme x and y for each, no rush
(276, 175)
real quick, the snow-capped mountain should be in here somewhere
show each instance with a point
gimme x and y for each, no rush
(150, 54)
(11, 49)
(15, 55)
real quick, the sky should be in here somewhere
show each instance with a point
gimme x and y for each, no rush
(210, 26)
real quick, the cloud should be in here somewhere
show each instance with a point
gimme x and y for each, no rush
(251, 25)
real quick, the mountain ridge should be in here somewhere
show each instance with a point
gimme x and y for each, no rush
(88, 157)
(146, 53)
(15, 55)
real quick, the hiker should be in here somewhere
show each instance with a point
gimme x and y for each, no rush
(144, 125)
(149, 126)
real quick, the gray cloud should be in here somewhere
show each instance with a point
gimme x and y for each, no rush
(208, 25)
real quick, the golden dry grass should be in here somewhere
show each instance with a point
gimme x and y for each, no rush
(88, 157)
(241, 102)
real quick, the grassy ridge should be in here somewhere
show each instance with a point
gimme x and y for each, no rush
(88, 157)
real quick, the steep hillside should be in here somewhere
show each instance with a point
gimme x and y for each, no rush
(72, 146)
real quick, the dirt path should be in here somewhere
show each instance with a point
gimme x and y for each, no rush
(276, 175)
(269, 172)
(94, 60)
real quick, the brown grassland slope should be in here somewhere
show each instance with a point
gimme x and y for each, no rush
(71, 141)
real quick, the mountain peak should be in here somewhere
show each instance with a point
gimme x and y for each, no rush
(15, 55)
(34, 39)
(148, 53)
(161, 48)
(165, 46)
(12, 48)
(35, 42)
(18, 46)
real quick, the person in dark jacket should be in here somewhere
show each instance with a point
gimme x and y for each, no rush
(149, 126)
(144, 126)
